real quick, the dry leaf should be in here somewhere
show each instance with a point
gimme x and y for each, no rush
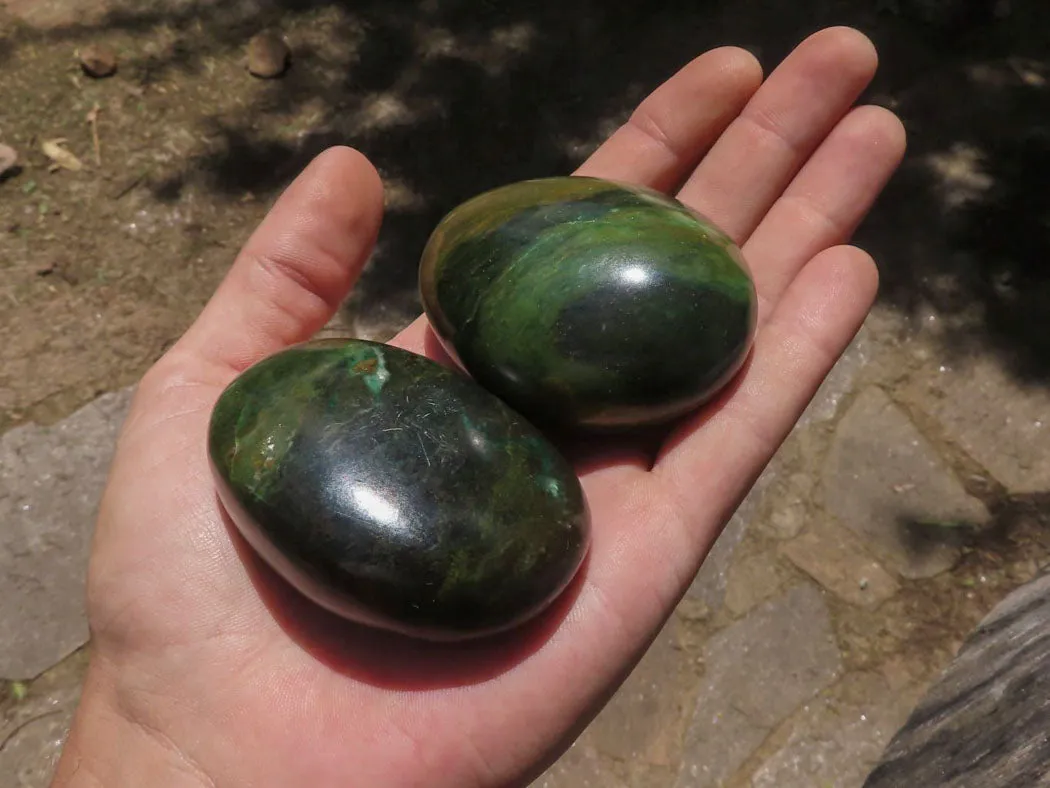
(53, 150)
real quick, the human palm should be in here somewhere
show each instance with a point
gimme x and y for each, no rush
(208, 669)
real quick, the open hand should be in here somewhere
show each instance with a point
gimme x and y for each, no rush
(206, 669)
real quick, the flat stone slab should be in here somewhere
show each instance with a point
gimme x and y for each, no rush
(836, 559)
(1000, 422)
(580, 767)
(885, 482)
(836, 739)
(757, 672)
(840, 380)
(709, 585)
(638, 725)
(752, 579)
(51, 479)
(30, 756)
(638, 730)
(984, 723)
(34, 728)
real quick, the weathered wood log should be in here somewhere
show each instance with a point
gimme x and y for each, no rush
(986, 722)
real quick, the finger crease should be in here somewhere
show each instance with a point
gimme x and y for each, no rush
(279, 269)
(647, 125)
(818, 342)
(738, 411)
(810, 211)
(764, 126)
(615, 624)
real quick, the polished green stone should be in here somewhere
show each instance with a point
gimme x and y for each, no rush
(395, 491)
(587, 303)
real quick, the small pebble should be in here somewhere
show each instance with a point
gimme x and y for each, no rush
(98, 61)
(268, 56)
(8, 159)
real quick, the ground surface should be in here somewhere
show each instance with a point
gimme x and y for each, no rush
(910, 500)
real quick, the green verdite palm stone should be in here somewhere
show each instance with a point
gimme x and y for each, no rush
(396, 492)
(586, 303)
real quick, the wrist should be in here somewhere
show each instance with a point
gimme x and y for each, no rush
(107, 747)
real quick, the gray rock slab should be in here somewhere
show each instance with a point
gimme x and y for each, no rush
(834, 741)
(984, 723)
(836, 559)
(640, 728)
(709, 585)
(51, 479)
(580, 767)
(28, 759)
(752, 579)
(34, 729)
(757, 672)
(736, 737)
(1001, 422)
(884, 481)
(841, 379)
(640, 723)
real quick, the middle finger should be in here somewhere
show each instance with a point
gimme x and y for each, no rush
(758, 155)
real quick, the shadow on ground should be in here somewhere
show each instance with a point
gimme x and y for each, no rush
(451, 97)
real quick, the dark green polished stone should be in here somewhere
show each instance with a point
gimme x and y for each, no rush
(588, 303)
(396, 492)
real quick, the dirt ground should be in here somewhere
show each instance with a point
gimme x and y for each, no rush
(102, 268)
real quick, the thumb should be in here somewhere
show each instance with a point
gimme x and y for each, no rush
(296, 268)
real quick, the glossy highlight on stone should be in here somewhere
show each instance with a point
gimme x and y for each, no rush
(587, 303)
(396, 492)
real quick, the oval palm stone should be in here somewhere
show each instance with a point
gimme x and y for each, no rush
(589, 303)
(396, 492)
